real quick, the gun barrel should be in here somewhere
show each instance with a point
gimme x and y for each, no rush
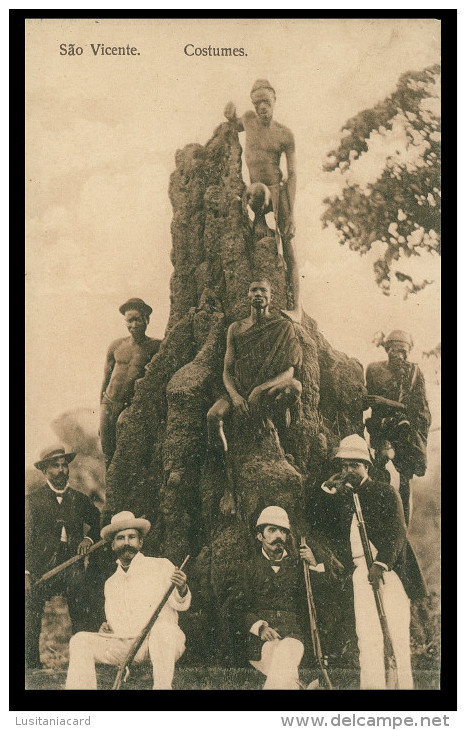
(71, 561)
(388, 645)
(316, 645)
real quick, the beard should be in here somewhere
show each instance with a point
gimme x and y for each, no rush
(60, 481)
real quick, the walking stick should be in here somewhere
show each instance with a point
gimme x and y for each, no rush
(389, 654)
(67, 563)
(316, 645)
(138, 642)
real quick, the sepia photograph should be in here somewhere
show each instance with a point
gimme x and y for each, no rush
(232, 354)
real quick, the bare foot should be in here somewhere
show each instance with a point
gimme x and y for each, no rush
(227, 504)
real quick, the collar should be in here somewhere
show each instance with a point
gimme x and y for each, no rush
(136, 558)
(285, 554)
(58, 492)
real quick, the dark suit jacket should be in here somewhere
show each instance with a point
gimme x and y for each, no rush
(278, 598)
(44, 520)
(332, 514)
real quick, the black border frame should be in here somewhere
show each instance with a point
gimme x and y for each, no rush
(443, 699)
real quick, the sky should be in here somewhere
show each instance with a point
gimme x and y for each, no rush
(101, 137)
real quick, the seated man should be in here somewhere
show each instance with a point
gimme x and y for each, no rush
(400, 413)
(261, 367)
(273, 603)
(132, 594)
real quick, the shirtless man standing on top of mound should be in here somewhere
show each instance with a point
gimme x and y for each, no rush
(266, 140)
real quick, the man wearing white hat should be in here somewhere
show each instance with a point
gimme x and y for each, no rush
(400, 419)
(273, 602)
(394, 570)
(60, 523)
(132, 594)
(266, 140)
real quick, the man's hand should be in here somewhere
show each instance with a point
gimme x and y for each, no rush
(28, 584)
(335, 482)
(376, 574)
(269, 634)
(240, 405)
(379, 400)
(180, 579)
(305, 553)
(230, 111)
(84, 546)
(105, 628)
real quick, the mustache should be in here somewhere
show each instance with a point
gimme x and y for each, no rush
(124, 548)
(278, 541)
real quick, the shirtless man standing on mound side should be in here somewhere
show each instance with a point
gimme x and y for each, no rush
(126, 360)
(266, 140)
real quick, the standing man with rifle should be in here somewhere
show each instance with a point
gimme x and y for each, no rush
(356, 515)
(132, 594)
(60, 523)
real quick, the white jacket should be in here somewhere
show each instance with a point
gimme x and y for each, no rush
(131, 597)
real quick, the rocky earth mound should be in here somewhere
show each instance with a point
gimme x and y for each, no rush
(162, 467)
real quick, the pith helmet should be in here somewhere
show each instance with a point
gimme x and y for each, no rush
(353, 447)
(124, 521)
(399, 336)
(274, 516)
(53, 453)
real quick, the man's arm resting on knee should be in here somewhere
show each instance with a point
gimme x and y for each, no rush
(280, 379)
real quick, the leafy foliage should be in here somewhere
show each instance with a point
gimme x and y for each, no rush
(401, 208)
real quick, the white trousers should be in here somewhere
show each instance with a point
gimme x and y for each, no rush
(280, 661)
(165, 645)
(369, 632)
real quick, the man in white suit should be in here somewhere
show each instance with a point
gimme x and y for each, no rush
(132, 594)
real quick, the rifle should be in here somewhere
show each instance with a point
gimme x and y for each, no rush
(71, 561)
(139, 640)
(316, 645)
(389, 654)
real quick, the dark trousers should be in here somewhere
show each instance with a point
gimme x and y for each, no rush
(83, 595)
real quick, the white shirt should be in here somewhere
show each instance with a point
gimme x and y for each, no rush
(59, 496)
(131, 597)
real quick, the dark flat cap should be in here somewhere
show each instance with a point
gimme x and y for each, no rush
(138, 304)
(262, 84)
(50, 454)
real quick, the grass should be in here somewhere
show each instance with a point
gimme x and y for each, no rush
(56, 631)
